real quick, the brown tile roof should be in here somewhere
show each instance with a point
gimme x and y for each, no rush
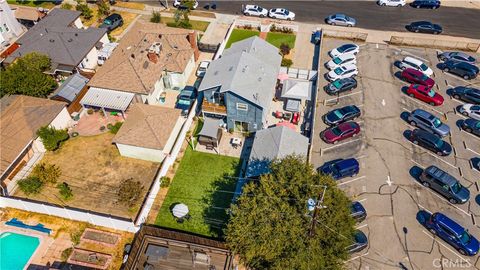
(26, 13)
(147, 126)
(20, 118)
(129, 68)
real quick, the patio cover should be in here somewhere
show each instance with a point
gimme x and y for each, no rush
(107, 99)
(293, 105)
(71, 87)
(210, 128)
(297, 89)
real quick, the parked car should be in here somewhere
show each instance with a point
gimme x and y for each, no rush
(430, 141)
(470, 110)
(341, 115)
(281, 13)
(202, 68)
(341, 132)
(360, 242)
(341, 85)
(185, 99)
(415, 76)
(445, 184)
(410, 62)
(341, 19)
(358, 212)
(340, 168)
(112, 22)
(181, 4)
(457, 56)
(467, 94)
(424, 27)
(345, 71)
(452, 233)
(341, 60)
(425, 94)
(348, 48)
(462, 69)
(391, 3)
(254, 10)
(472, 126)
(427, 121)
(432, 4)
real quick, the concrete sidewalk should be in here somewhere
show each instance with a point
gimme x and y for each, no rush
(304, 49)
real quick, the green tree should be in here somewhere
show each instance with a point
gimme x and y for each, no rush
(52, 137)
(25, 77)
(84, 9)
(103, 8)
(156, 17)
(269, 226)
(47, 173)
(129, 192)
(30, 185)
(65, 191)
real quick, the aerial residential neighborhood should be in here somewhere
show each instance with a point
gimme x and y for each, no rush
(185, 134)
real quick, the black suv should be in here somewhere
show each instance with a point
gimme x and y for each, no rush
(467, 94)
(430, 141)
(341, 115)
(424, 27)
(112, 22)
(462, 69)
(341, 85)
(433, 4)
(445, 184)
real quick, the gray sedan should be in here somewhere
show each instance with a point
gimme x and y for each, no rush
(341, 19)
(457, 56)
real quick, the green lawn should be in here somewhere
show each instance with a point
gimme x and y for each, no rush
(44, 4)
(200, 183)
(276, 39)
(240, 34)
(196, 25)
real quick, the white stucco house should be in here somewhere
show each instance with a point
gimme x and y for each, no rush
(149, 132)
(150, 59)
(10, 28)
(20, 147)
(62, 36)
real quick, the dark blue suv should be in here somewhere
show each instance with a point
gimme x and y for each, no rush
(433, 4)
(452, 233)
(340, 168)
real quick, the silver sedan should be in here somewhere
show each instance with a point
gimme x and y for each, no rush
(341, 19)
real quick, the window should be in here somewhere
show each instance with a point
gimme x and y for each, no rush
(242, 107)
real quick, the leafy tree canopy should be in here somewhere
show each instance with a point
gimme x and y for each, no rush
(269, 225)
(52, 137)
(25, 77)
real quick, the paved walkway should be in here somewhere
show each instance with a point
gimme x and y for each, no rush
(304, 49)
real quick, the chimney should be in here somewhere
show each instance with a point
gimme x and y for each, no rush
(192, 38)
(152, 57)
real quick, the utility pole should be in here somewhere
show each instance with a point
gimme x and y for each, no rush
(318, 206)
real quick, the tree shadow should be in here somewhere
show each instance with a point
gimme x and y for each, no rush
(218, 200)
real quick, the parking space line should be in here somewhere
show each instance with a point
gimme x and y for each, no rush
(356, 257)
(342, 96)
(446, 162)
(361, 226)
(458, 101)
(337, 145)
(454, 252)
(424, 208)
(350, 181)
(362, 200)
(425, 105)
(456, 77)
(419, 165)
(414, 55)
(468, 133)
(445, 200)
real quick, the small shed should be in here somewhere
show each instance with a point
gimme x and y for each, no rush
(71, 91)
(211, 133)
(297, 89)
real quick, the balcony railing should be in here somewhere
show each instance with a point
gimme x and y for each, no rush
(209, 107)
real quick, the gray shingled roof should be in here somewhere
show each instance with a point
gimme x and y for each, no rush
(71, 87)
(274, 143)
(53, 36)
(249, 69)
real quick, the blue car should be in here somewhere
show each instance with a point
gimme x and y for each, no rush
(185, 99)
(453, 233)
(433, 4)
(358, 212)
(340, 168)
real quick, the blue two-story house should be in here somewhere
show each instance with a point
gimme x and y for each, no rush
(239, 86)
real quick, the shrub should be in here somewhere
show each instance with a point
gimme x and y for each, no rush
(66, 6)
(114, 129)
(85, 10)
(90, 111)
(285, 49)
(129, 192)
(52, 137)
(75, 236)
(65, 191)
(165, 182)
(66, 254)
(30, 185)
(286, 30)
(156, 18)
(47, 173)
(103, 8)
(287, 62)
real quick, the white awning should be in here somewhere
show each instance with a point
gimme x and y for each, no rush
(107, 99)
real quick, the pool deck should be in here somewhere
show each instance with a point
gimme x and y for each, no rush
(46, 251)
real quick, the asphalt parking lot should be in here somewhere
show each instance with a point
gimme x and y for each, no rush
(387, 183)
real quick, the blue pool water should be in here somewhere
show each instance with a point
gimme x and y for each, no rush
(16, 249)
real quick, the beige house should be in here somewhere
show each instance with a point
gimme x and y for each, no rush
(149, 132)
(20, 147)
(150, 59)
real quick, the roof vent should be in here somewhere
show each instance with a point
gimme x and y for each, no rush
(145, 65)
(70, 40)
(175, 46)
(259, 79)
(169, 54)
(245, 68)
(144, 40)
(216, 72)
(52, 40)
(230, 68)
(76, 34)
(132, 55)
(160, 36)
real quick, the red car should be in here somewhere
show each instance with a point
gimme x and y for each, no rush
(425, 94)
(414, 76)
(340, 132)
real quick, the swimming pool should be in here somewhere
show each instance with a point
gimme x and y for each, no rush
(16, 249)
